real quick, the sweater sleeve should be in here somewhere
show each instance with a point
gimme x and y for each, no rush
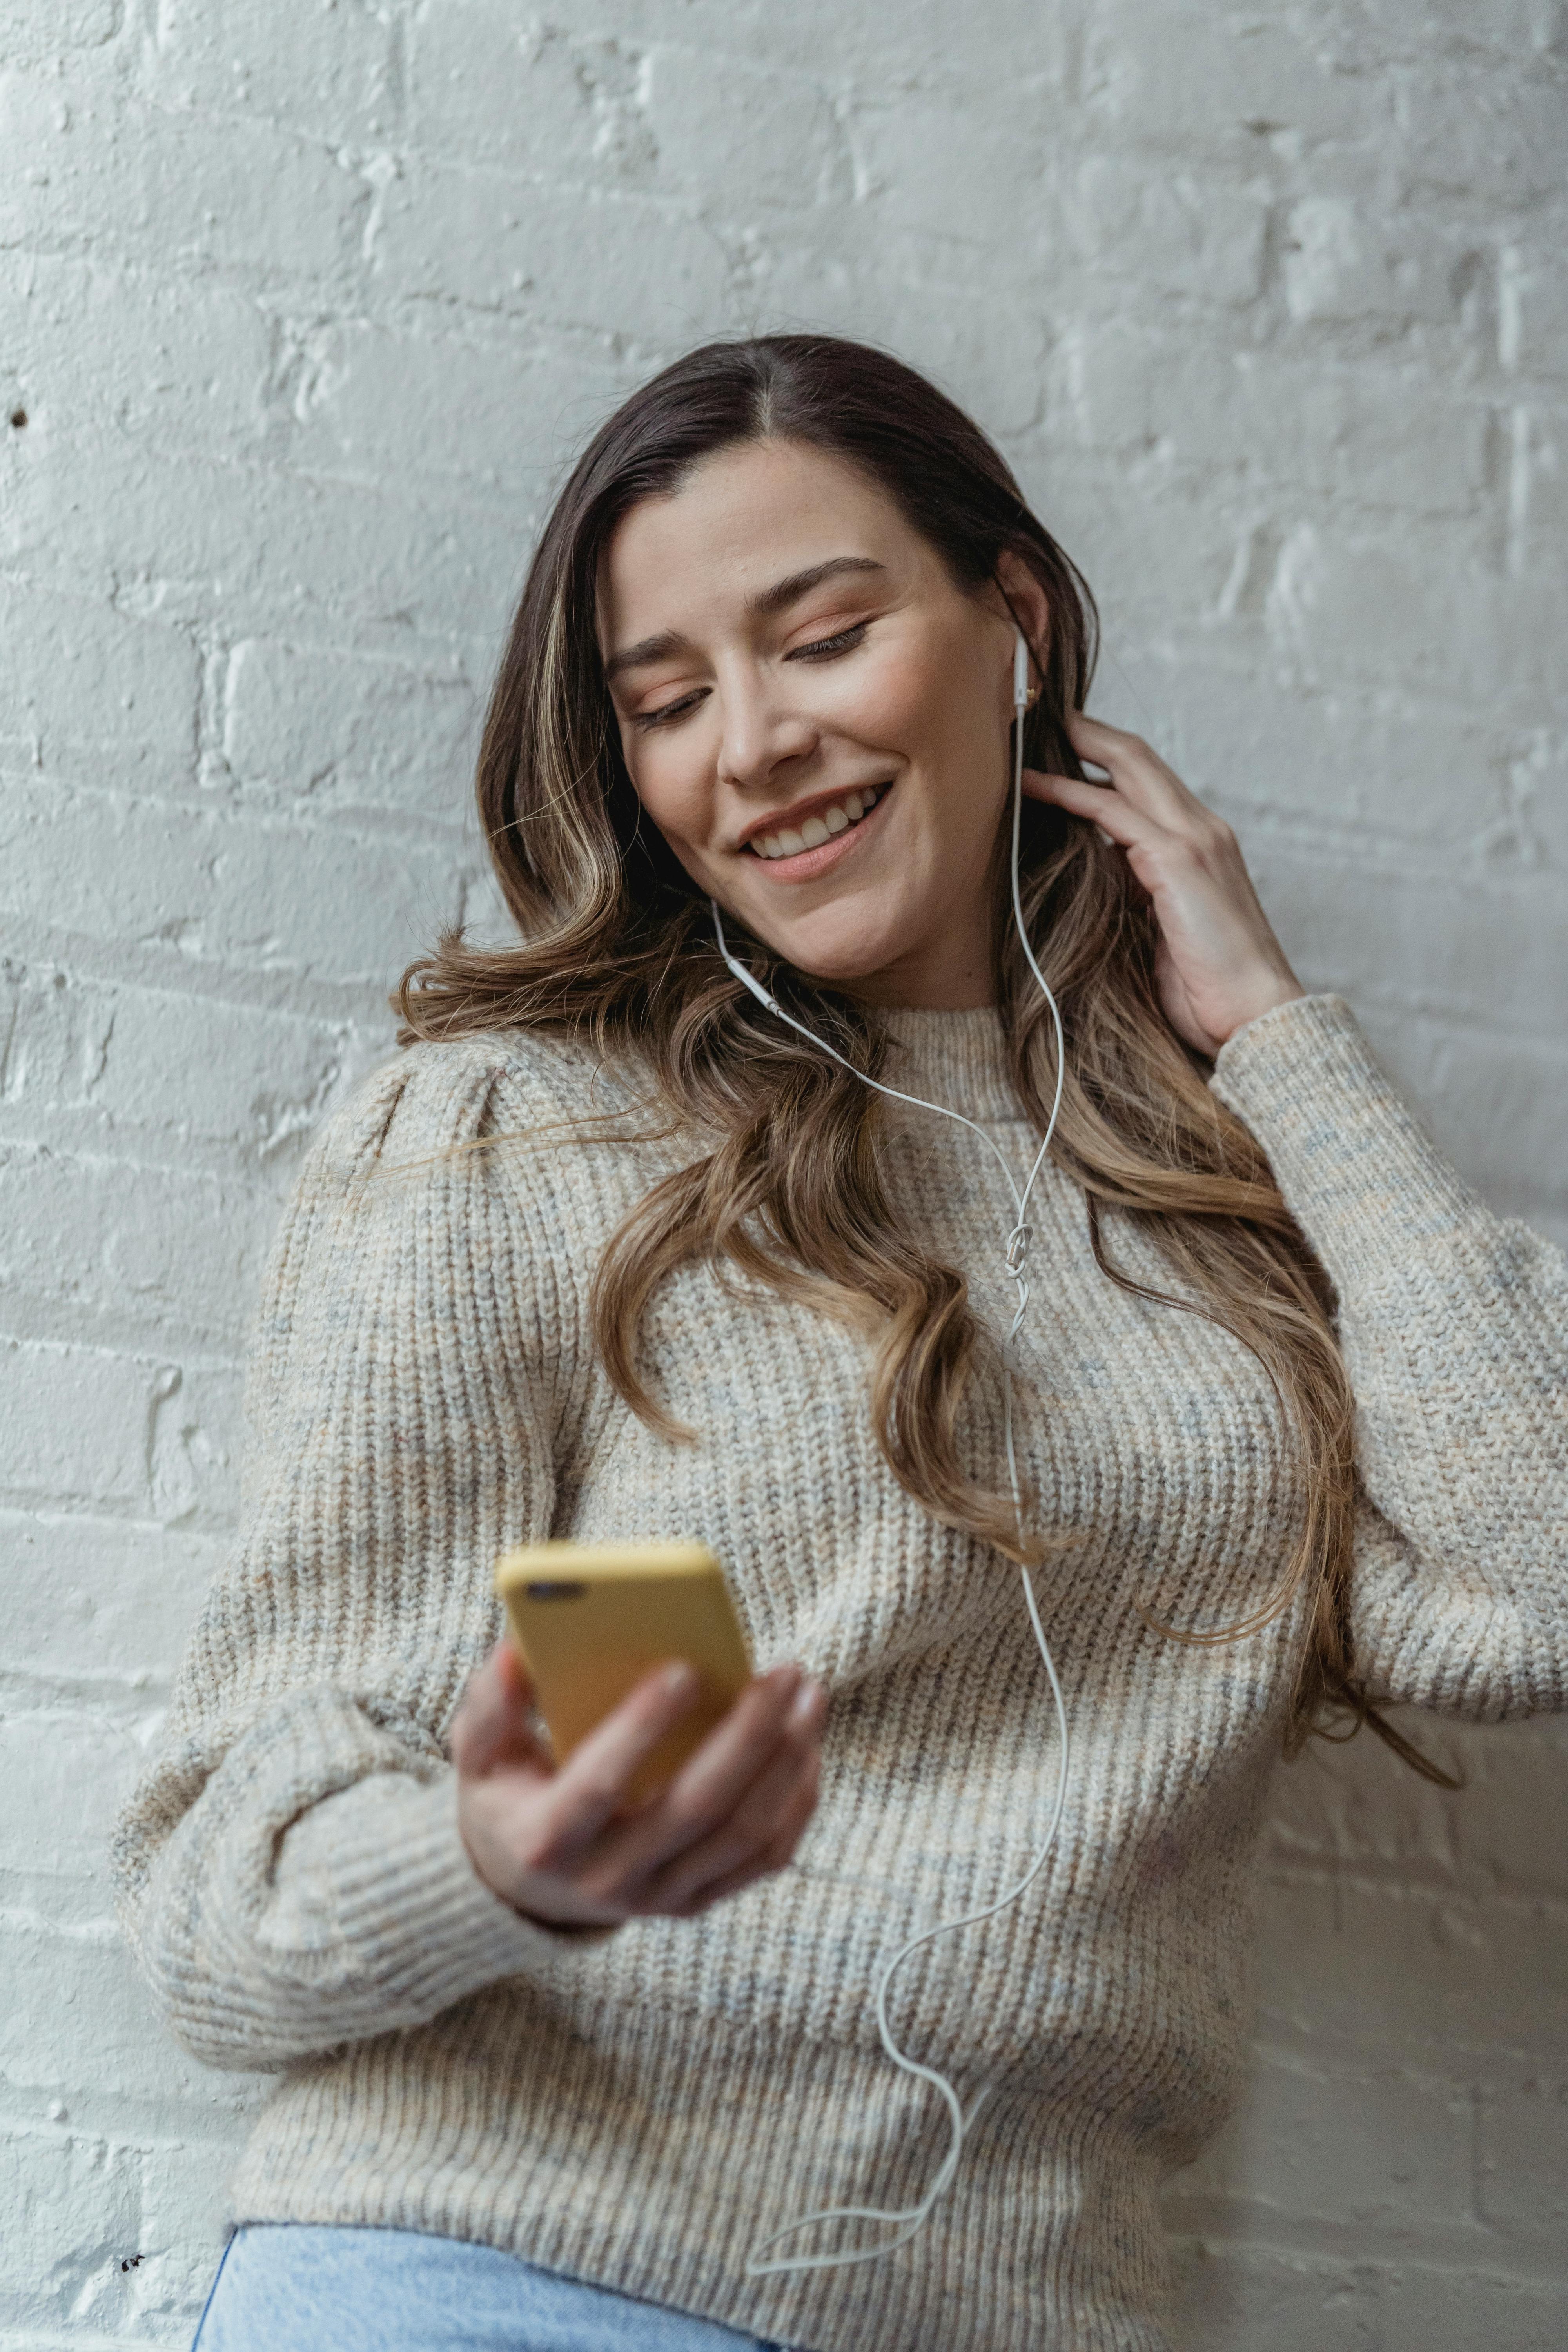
(1454, 1325)
(290, 1871)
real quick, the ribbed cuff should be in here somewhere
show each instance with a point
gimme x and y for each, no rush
(388, 1857)
(1358, 1173)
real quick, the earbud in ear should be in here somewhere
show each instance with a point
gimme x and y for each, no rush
(1022, 697)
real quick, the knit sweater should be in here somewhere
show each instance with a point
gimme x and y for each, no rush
(638, 2107)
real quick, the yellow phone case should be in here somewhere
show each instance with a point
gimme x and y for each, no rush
(591, 1619)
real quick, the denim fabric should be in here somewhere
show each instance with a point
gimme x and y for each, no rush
(292, 2286)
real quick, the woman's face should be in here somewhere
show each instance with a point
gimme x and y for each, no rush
(816, 718)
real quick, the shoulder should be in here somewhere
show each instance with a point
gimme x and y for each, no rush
(397, 1178)
(434, 1097)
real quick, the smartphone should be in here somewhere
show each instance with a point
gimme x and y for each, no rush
(591, 1619)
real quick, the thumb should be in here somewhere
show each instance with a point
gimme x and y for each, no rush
(492, 1724)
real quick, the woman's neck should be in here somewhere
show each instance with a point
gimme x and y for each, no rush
(954, 975)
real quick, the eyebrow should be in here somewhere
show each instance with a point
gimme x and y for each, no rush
(768, 601)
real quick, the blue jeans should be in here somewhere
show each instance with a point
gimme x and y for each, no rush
(292, 2286)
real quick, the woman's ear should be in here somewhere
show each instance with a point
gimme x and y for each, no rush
(1025, 601)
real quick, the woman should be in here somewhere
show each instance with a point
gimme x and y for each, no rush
(613, 1250)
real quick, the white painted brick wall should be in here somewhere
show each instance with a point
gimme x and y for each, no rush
(304, 305)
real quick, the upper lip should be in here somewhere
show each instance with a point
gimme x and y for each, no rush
(791, 819)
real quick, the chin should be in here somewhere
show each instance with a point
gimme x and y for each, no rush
(873, 983)
(837, 962)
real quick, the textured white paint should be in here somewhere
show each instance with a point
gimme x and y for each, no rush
(305, 304)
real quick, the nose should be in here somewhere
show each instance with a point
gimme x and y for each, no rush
(759, 732)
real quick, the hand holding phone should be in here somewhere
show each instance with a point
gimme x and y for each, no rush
(577, 1844)
(592, 1619)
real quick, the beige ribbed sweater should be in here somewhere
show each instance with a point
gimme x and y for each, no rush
(638, 2108)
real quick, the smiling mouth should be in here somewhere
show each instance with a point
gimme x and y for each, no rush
(823, 827)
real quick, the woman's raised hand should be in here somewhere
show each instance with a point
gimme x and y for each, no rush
(1218, 963)
(564, 1847)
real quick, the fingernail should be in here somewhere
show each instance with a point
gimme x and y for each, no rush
(678, 1676)
(807, 1707)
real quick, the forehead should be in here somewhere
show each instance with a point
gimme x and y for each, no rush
(748, 515)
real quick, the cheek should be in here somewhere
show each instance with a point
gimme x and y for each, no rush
(930, 705)
(673, 781)
(918, 701)
(889, 705)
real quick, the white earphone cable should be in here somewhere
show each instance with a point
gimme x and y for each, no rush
(904, 2221)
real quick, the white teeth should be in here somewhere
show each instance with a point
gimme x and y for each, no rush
(836, 819)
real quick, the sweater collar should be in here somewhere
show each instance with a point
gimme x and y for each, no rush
(957, 1059)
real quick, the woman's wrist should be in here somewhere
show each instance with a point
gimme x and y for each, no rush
(1253, 1004)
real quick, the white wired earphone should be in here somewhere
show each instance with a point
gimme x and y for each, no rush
(906, 2221)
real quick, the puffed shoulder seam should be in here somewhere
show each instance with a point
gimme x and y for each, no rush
(433, 1095)
(433, 1084)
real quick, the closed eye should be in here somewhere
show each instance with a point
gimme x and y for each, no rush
(825, 647)
(842, 641)
(671, 712)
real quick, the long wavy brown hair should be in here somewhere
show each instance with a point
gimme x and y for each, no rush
(616, 947)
